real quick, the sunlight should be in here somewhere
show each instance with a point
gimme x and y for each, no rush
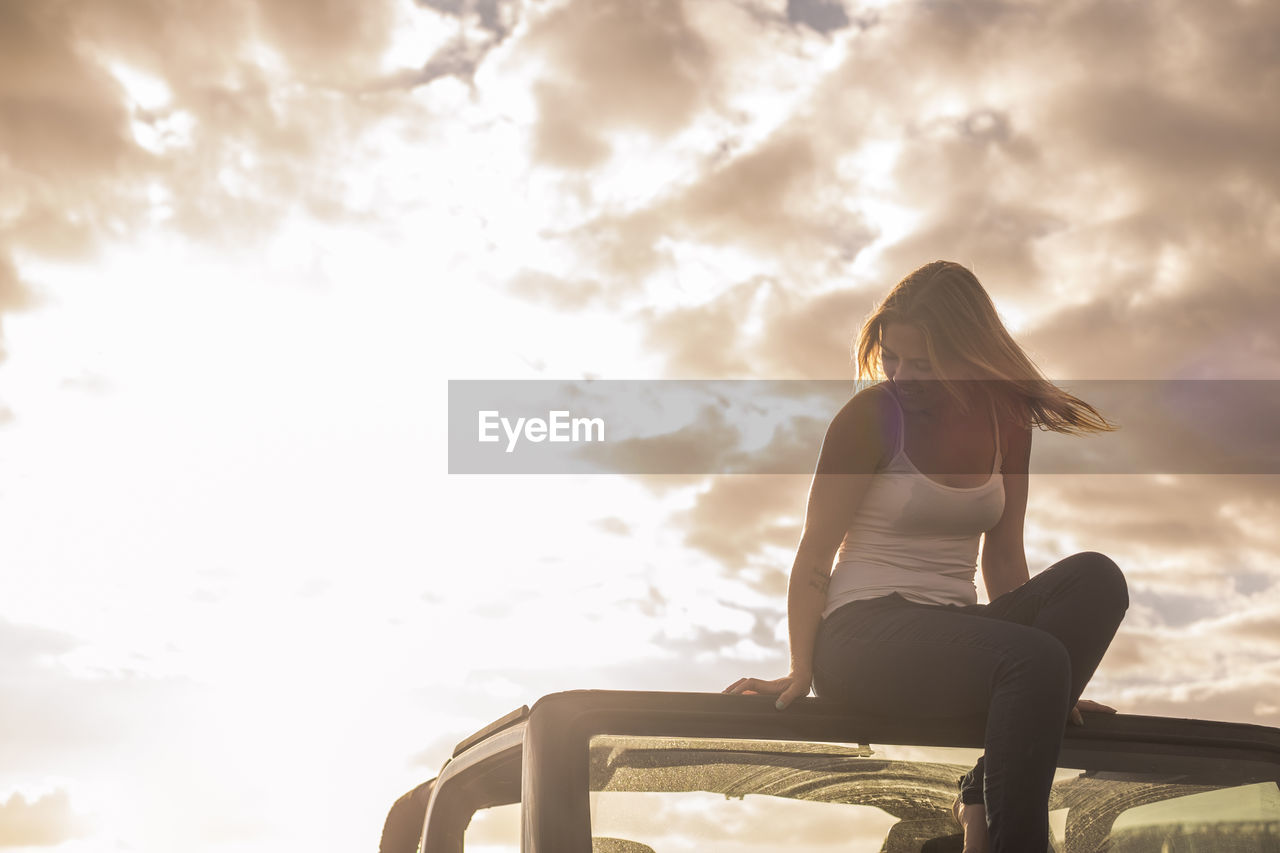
(162, 133)
(144, 89)
(693, 272)
(870, 168)
(418, 33)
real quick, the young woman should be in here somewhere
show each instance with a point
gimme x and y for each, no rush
(882, 607)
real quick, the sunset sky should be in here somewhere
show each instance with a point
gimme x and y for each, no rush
(245, 245)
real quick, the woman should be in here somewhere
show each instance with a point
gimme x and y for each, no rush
(912, 472)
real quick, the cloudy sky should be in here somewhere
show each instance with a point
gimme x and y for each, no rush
(245, 245)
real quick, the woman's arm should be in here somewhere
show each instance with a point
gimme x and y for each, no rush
(851, 452)
(1004, 557)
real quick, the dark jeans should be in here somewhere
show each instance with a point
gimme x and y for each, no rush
(1024, 659)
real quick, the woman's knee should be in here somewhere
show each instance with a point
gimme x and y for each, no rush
(1104, 577)
(1040, 665)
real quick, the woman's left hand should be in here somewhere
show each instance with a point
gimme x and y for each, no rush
(787, 689)
(1088, 705)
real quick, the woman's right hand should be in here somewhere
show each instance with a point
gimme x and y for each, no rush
(787, 689)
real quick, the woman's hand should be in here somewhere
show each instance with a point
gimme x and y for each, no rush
(1088, 705)
(787, 689)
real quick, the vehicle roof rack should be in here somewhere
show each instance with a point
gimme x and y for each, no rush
(497, 725)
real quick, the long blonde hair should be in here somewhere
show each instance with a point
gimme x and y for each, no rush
(958, 320)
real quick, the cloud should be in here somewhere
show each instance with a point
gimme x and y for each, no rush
(213, 121)
(748, 198)
(1171, 90)
(332, 41)
(822, 15)
(71, 125)
(54, 716)
(780, 194)
(566, 295)
(613, 524)
(995, 237)
(1248, 697)
(1132, 135)
(1157, 135)
(148, 95)
(69, 154)
(495, 16)
(1206, 526)
(43, 822)
(14, 293)
(814, 337)
(26, 645)
(777, 194)
(761, 328)
(60, 120)
(459, 58)
(613, 66)
(705, 340)
(1214, 326)
(483, 26)
(737, 518)
(725, 647)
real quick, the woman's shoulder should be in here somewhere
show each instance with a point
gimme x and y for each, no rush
(872, 403)
(865, 426)
(1015, 440)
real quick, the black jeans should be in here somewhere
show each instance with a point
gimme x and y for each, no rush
(1024, 659)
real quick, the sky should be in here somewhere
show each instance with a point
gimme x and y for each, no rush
(245, 246)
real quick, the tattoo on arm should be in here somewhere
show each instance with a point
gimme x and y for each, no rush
(819, 579)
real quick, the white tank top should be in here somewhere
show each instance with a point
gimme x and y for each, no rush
(915, 536)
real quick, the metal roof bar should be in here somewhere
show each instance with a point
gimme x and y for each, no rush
(496, 726)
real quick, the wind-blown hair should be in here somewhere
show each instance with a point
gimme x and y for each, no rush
(958, 320)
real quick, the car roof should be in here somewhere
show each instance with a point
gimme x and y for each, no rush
(727, 716)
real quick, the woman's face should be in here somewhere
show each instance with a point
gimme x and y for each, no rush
(906, 362)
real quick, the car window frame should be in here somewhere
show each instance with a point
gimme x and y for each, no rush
(484, 775)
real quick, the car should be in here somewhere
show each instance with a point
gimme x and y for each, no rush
(617, 771)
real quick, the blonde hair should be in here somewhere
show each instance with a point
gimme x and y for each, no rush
(958, 320)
